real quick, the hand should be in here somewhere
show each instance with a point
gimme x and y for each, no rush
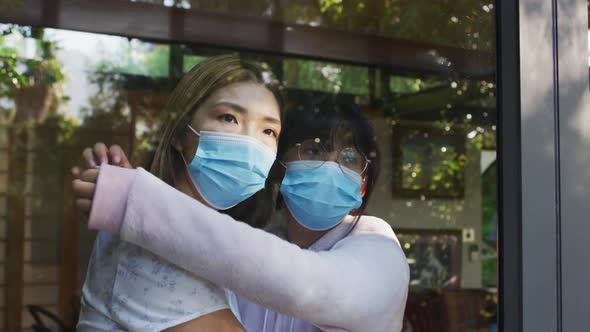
(84, 186)
(100, 154)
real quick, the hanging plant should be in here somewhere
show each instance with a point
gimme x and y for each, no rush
(30, 83)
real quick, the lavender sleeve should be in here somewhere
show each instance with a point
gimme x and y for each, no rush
(110, 198)
(340, 288)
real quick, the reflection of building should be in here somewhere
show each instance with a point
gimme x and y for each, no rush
(429, 87)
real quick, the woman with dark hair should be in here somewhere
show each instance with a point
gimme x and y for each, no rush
(335, 270)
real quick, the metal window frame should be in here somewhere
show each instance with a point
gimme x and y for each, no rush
(574, 160)
(509, 170)
(543, 152)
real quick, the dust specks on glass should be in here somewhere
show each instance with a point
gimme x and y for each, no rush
(422, 73)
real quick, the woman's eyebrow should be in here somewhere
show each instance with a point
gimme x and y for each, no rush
(234, 106)
(272, 119)
(241, 109)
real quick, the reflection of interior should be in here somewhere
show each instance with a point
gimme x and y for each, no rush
(432, 104)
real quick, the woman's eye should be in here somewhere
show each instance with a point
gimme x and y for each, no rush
(348, 157)
(270, 132)
(228, 118)
(312, 151)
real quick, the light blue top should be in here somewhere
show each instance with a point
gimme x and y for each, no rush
(128, 288)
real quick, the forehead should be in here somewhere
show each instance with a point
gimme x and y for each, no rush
(337, 134)
(246, 94)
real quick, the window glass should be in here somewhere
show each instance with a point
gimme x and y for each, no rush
(62, 91)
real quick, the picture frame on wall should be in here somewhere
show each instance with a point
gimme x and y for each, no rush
(428, 162)
(434, 256)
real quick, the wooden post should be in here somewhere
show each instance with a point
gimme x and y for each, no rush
(17, 166)
(69, 246)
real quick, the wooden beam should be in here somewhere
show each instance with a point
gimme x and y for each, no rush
(157, 22)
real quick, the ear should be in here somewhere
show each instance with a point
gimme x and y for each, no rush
(364, 186)
(176, 144)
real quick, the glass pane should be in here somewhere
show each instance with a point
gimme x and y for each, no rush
(325, 77)
(434, 122)
(440, 23)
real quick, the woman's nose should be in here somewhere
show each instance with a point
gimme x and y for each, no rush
(248, 130)
(332, 156)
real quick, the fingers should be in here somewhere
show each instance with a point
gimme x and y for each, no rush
(90, 175)
(88, 157)
(101, 152)
(76, 172)
(83, 189)
(84, 186)
(117, 156)
(84, 205)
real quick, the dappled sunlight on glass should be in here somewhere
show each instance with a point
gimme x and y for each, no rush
(434, 113)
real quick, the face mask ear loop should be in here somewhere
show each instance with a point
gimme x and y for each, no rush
(182, 155)
(196, 133)
(184, 160)
(187, 173)
(186, 170)
(193, 130)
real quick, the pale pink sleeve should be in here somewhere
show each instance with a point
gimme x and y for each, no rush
(361, 279)
(110, 198)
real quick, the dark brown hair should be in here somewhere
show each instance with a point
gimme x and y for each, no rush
(325, 118)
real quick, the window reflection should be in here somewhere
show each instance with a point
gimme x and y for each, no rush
(61, 91)
(466, 23)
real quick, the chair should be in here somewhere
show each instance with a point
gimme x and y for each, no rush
(41, 316)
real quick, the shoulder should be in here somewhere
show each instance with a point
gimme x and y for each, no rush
(375, 226)
(383, 265)
(377, 238)
(382, 245)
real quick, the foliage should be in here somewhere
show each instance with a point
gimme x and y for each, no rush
(138, 58)
(18, 73)
(325, 76)
(461, 23)
(107, 108)
(400, 85)
(189, 61)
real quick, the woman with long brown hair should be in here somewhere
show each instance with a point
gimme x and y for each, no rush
(221, 116)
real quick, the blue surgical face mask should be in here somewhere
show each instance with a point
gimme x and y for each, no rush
(228, 168)
(319, 194)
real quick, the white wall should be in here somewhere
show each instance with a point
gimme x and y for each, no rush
(429, 214)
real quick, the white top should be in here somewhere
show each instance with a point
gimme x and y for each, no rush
(357, 282)
(127, 288)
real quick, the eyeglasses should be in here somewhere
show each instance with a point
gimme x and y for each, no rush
(348, 157)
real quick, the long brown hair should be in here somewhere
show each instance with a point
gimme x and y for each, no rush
(191, 92)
